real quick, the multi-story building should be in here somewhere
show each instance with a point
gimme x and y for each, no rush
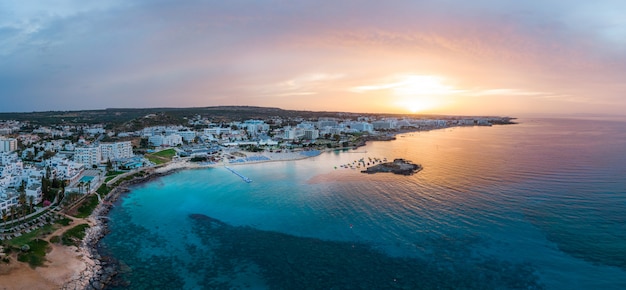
(362, 126)
(8, 144)
(88, 155)
(293, 133)
(170, 140)
(384, 124)
(188, 135)
(311, 134)
(216, 131)
(117, 150)
(254, 126)
(327, 122)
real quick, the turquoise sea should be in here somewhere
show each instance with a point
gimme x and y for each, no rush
(537, 205)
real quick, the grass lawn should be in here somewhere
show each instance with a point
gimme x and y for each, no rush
(25, 238)
(114, 173)
(161, 156)
(109, 178)
(36, 255)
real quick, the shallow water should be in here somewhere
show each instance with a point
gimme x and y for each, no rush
(536, 205)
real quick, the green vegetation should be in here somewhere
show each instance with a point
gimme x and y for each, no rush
(87, 206)
(161, 156)
(73, 236)
(55, 239)
(114, 173)
(35, 253)
(64, 221)
(109, 178)
(103, 190)
(167, 153)
(27, 237)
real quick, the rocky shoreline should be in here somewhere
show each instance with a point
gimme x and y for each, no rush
(100, 270)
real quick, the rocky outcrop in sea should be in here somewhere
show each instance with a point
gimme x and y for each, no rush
(398, 166)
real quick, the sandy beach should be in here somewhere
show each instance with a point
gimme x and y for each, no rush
(63, 265)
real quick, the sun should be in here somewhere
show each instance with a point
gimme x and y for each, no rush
(413, 93)
(419, 93)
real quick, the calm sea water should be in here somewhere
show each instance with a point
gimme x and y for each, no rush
(538, 205)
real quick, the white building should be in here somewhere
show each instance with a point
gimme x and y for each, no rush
(161, 140)
(87, 155)
(8, 144)
(311, 134)
(362, 126)
(254, 126)
(327, 122)
(117, 150)
(293, 133)
(216, 131)
(384, 124)
(188, 136)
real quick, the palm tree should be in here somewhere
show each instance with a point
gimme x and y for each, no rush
(21, 200)
(12, 209)
(5, 216)
(31, 201)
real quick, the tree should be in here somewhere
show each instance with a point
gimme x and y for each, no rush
(80, 187)
(109, 165)
(21, 200)
(45, 186)
(5, 216)
(31, 201)
(12, 210)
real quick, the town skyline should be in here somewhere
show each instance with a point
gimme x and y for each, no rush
(427, 57)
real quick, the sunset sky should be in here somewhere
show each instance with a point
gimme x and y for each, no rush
(447, 57)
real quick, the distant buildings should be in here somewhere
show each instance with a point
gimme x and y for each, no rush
(88, 155)
(311, 134)
(117, 150)
(169, 140)
(384, 124)
(8, 144)
(94, 155)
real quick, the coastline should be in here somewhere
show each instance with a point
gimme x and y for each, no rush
(83, 267)
(101, 271)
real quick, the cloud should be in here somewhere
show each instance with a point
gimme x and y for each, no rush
(307, 54)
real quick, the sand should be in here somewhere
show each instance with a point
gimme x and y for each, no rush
(63, 264)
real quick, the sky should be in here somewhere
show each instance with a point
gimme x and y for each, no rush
(479, 57)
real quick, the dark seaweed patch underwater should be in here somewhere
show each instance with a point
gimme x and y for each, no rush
(290, 262)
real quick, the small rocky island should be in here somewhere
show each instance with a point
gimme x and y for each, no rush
(398, 166)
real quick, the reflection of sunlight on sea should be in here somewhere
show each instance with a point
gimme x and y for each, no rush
(542, 193)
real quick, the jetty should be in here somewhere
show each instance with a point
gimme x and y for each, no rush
(248, 180)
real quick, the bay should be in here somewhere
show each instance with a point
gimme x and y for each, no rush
(535, 205)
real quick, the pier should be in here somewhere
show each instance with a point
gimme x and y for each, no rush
(248, 180)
